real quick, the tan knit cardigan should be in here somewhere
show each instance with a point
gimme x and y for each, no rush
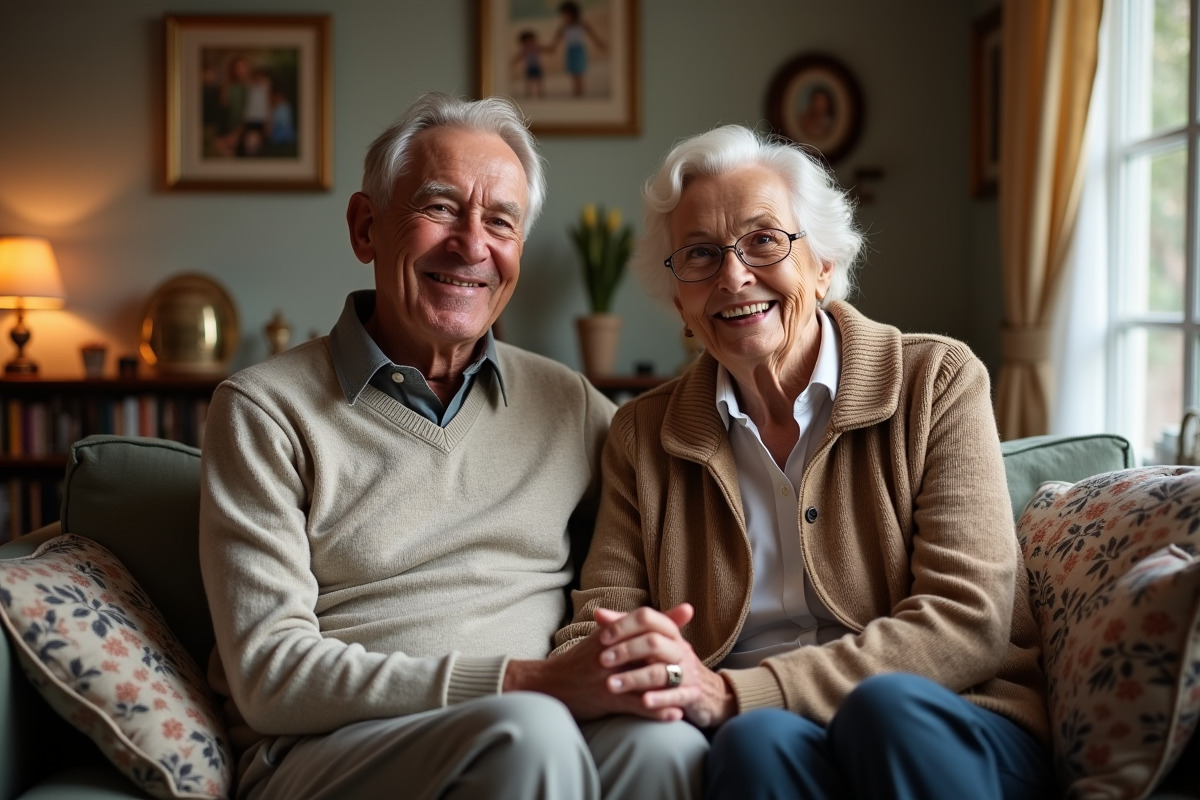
(905, 528)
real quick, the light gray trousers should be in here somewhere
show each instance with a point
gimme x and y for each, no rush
(520, 745)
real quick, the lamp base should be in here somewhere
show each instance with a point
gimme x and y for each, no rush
(20, 366)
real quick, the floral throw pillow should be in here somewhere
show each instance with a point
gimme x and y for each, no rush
(1115, 588)
(100, 653)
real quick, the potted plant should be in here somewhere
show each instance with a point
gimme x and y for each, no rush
(604, 245)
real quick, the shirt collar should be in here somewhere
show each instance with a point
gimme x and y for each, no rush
(356, 356)
(825, 373)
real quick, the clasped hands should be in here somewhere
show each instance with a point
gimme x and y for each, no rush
(621, 668)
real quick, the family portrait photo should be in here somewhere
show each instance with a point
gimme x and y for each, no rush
(248, 102)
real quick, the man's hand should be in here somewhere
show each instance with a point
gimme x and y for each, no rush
(637, 649)
(579, 679)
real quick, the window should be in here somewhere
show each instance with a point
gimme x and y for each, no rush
(1153, 337)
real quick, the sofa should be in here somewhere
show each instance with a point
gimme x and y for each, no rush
(138, 497)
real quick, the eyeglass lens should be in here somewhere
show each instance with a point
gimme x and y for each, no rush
(761, 248)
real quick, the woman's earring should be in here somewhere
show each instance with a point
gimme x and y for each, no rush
(687, 332)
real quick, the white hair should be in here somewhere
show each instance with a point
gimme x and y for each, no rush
(820, 206)
(389, 154)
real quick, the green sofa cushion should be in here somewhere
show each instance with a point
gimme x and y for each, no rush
(1031, 461)
(140, 498)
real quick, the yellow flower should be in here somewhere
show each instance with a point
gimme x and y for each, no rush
(603, 252)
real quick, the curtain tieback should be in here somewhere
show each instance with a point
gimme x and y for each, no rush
(1025, 344)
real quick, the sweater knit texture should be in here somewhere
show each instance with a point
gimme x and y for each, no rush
(362, 562)
(905, 528)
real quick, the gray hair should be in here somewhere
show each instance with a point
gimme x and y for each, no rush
(389, 154)
(819, 205)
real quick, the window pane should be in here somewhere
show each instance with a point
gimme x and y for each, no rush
(1152, 269)
(1158, 66)
(1151, 379)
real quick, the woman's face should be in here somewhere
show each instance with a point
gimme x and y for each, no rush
(747, 317)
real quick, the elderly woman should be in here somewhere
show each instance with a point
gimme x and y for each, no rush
(827, 496)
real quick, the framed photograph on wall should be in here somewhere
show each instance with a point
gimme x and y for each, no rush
(248, 103)
(985, 104)
(571, 66)
(814, 100)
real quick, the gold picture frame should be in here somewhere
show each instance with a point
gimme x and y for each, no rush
(248, 102)
(572, 67)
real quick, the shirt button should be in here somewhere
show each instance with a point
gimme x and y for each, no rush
(811, 514)
(785, 490)
(397, 377)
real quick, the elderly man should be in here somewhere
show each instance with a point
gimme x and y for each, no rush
(384, 515)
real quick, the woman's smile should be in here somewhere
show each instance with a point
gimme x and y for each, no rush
(747, 312)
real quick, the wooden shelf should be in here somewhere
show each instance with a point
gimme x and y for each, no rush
(155, 383)
(631, 385)
(57, 461)
(625, 383)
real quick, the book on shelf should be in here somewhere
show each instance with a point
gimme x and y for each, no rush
(27, 504)
(14, 428)
(16, 509)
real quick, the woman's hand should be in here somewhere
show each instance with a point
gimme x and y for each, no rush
(579, 679)
(639, 646)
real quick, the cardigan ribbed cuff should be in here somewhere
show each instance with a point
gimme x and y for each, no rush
(475, 676)
(756, 687)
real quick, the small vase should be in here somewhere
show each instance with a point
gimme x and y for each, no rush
(599, 335)
(278, 332)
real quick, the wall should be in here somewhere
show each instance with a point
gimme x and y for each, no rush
(81, 143)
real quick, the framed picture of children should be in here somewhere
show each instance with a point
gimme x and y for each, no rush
(814, 100)
(248, 103)
(571, 66)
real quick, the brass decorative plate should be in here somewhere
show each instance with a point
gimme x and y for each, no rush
(190, 327)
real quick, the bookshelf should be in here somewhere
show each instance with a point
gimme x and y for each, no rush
(41, 418)
(620, 388)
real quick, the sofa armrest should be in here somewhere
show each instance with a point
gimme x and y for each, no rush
(1033, 460)
(139, 497)
(26, 721)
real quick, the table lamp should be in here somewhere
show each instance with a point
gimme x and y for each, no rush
(28, 280)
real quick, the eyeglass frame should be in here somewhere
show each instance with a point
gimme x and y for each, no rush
(791, 237)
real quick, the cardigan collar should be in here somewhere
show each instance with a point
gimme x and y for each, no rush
(868, 390)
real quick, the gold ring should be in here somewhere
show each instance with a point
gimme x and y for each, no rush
(674, 675)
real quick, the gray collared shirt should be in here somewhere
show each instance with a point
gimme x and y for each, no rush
(359, 362)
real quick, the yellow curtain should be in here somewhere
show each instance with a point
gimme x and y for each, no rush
(1048, 62)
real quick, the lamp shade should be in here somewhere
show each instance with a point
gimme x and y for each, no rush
(29, 274)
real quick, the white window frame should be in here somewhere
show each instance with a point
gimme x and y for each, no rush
(1126, 409)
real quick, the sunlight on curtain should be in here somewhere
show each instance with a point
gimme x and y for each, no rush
(1049, 58)
(1078, 355)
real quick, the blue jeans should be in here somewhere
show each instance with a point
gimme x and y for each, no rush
(895, 737)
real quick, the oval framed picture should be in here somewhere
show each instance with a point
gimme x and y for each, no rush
(814, 100)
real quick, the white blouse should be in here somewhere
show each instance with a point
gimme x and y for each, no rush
(784, 612)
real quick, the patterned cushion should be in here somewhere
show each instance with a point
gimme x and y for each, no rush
(1115, 588)
(93, 644)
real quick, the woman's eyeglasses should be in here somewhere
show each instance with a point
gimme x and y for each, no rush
(761, 248)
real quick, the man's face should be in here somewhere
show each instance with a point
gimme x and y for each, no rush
(447, 251)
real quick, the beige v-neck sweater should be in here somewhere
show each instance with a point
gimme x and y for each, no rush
(362, 562)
